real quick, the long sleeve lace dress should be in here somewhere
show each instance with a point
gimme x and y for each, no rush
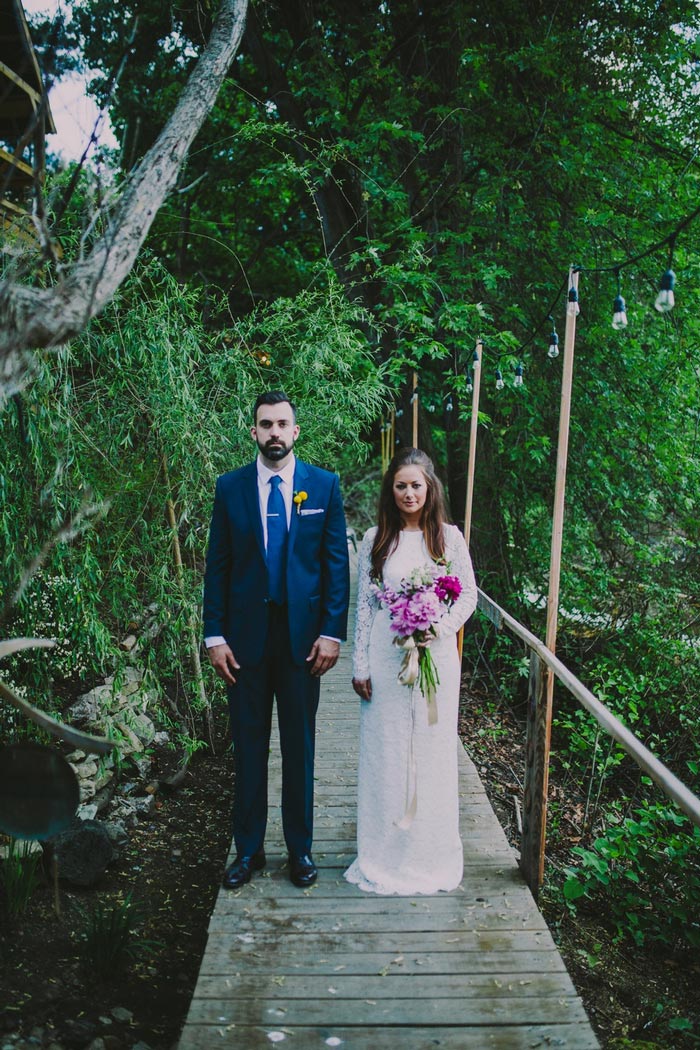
(400, 753)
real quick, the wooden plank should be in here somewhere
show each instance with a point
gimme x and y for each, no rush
(484, 880)
(403, 1012)
(223, 959)
(491, 1037)
(397, 942)
(391, 986)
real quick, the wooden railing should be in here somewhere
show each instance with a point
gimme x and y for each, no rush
(544, 666)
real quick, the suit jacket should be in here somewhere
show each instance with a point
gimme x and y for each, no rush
(235, 580)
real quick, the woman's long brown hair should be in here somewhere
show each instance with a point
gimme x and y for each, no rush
(390, 523)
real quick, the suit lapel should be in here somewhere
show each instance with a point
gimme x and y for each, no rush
(301, 473)
(252, 503)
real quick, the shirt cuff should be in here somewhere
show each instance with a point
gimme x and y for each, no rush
(215, 639)
(331, 638)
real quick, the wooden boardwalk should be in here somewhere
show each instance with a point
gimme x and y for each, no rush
(333, 966)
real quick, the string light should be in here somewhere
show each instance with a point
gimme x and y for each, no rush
(666, 300)
(518, 381)
(619, 319)
(573, 305)
(475, 359)
(470, 383)
(553, 343)
(499, 380)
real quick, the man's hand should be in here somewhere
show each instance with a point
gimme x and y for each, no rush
(324, 655)
(224, 662)
(363, 687)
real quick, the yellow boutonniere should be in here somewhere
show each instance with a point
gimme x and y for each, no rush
(299, 498)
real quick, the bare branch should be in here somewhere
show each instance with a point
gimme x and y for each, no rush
(34, 317)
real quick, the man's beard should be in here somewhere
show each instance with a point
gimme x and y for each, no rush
(274, 451)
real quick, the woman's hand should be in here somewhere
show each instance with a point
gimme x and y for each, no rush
(363, 687)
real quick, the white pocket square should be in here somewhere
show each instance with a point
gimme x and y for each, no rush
(311, 510)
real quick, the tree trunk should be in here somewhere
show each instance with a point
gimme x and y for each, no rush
(32, 317)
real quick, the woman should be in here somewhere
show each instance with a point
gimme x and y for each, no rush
(408, 811)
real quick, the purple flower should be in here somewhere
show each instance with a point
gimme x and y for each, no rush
(448, 589)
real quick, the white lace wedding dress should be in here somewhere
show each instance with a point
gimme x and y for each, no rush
(399, 752)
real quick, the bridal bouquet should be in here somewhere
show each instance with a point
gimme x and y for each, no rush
(415, 609)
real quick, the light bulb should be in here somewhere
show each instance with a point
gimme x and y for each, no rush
(619, 313)
(499, 380)
(553, 345)
(518, 381)
(665, 300)
(475, 359)
(449, 407)
(573, 306)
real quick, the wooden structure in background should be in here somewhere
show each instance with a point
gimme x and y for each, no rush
(25, 119)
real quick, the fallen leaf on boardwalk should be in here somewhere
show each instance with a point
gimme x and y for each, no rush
(336, 968)
(384, 972)
(279, 980)
(371, 1002)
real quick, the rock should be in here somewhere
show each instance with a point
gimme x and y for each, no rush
(84, 770)
(143, 764)
(129, 642)
(117, 832)
(77, 1033)
(113, 1042)
(161, 739)
(143, 727)
(130, 810)
(82, 852)
(103, 797)
(120, 1013)
(97, 1044)
(87, 790)
(88, 811)
(89, 706)
(129, 742)
(103, 778)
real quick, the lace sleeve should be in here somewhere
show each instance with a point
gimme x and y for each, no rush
(367, 606)
(461, 566)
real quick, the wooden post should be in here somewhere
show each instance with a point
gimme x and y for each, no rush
(472, 441)
(414, 402)
(544, 716)
(476, 388)
(536, 766)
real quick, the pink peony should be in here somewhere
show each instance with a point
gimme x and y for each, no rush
(448, 589)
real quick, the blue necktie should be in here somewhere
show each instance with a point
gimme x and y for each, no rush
(276, 542)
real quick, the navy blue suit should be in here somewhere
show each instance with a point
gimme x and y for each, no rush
(271, 642)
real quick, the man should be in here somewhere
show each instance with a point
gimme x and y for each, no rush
(276, 591)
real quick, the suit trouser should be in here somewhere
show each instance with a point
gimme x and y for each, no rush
(296, 691)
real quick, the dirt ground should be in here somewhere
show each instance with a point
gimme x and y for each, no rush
(173, 865)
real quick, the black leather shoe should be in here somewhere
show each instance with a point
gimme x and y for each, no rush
(302, 870)
(238, 873)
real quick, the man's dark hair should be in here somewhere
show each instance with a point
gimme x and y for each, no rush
(273, 397)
